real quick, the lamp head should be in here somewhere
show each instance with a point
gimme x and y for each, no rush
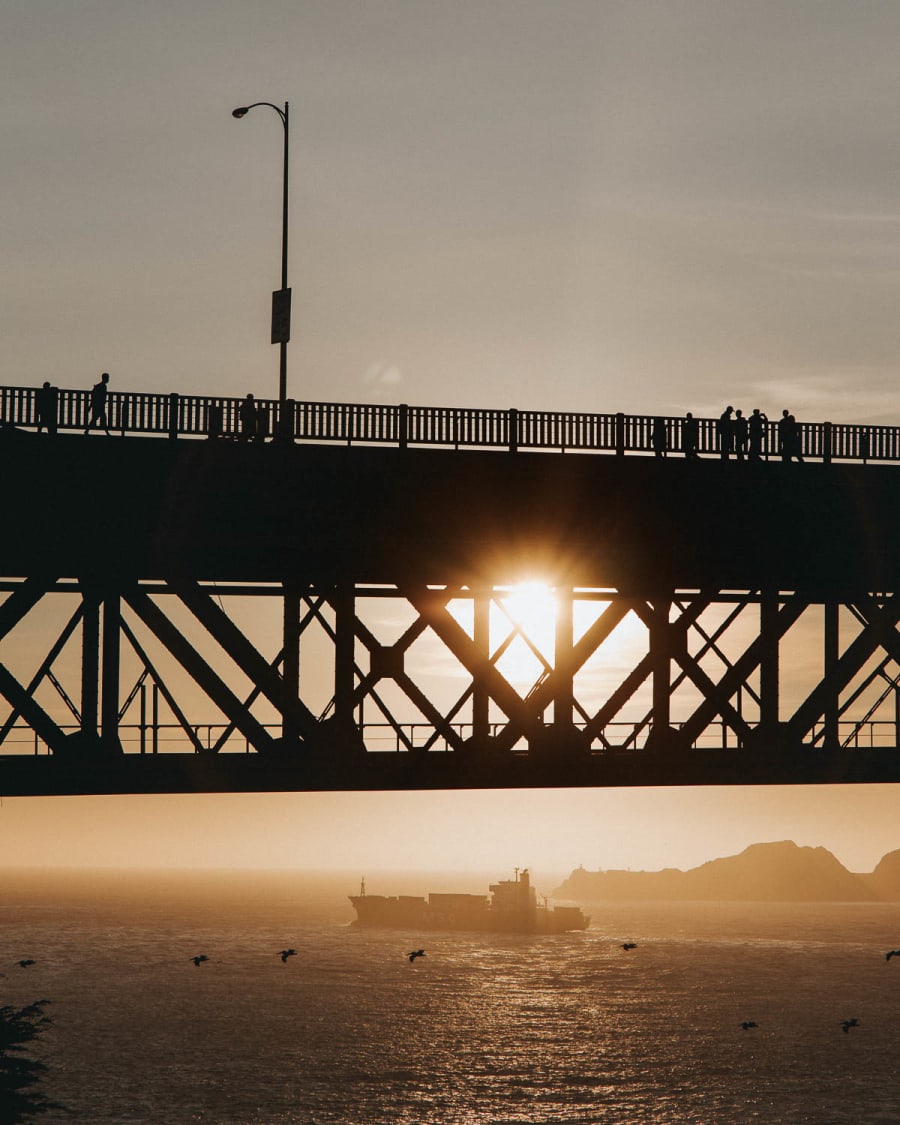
(241, 111)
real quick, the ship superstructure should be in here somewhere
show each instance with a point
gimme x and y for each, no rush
(512, 907)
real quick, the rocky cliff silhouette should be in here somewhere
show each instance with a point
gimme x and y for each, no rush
(774, 872)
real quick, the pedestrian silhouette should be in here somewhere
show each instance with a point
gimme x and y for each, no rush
(690, 435)
(46, 401)
(262, 422)
(796, 440)
(249, 418)
(726, 432)
(98, 404)
(741, 431)
(784, 436)
(755, 429)
(789, 437)
(660, 438)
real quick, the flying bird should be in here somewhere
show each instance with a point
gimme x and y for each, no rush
(747, 1024)
(891, 953)
(25, 962)
(199, 959)
(629, 945)
(416, 953)
(285, 953)
(847, 1024)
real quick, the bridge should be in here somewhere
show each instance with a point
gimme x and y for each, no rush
(335, 602)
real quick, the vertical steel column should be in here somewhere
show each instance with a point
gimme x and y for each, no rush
(564, 696)
(90, 663)
(481, 637)
(832, 642)
(768, 665)
(660, 657)
(291, 662)
(344, 651)
(155, 717)
(896, 718)
(111, 648)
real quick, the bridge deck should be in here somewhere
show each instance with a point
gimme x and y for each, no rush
(145, 509)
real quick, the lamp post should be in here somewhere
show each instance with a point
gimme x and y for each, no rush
(281, 299)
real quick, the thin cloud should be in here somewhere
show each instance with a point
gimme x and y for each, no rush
(382, 376)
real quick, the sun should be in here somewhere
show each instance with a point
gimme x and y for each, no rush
(523, 625)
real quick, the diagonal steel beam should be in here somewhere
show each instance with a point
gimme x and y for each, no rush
(199, 748)
(254, 666)
(22, 600)
(618, 699)
(543, 694)
(46, 665)
(31, 711)
(431, 713)
(715, 694)
(199, 671)
(431, 606)
(248, 702)
(880, 630)
(748, 662)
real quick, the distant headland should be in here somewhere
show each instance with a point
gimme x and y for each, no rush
(774, 872)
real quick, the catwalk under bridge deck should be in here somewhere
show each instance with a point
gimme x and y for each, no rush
(124, 528)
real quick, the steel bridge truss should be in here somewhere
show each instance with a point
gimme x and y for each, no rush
(351, 674)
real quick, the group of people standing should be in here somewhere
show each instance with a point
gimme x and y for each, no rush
(735, 433)
(744, 436)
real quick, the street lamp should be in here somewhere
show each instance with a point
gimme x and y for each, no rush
(281, 299)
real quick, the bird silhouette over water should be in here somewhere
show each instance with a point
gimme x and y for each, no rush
(285, 953)
(891, 953)
(847, 1024)
(416, 953)
(747, 1024)
(25, 962)
(629, 945)
(199, 959)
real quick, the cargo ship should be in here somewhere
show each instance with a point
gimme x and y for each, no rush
(512, 907)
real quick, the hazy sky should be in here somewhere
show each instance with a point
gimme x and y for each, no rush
(638, 205)
(587, 205)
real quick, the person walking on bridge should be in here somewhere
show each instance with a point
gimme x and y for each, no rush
(726, 432)
(740, 428)
(755, 429)
(47, 403)
(98, 404)
(249, 418)
(690, 436)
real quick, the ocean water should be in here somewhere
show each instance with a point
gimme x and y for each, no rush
(483, 1029)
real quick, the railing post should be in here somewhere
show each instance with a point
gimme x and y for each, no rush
(402, 425)
(214, 420)
(826, 442)
(513, 416)
(620, 434)
(286, 420)
(173, 415)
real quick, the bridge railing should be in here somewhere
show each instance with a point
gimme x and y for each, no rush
(210, 416)
(150, 738)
